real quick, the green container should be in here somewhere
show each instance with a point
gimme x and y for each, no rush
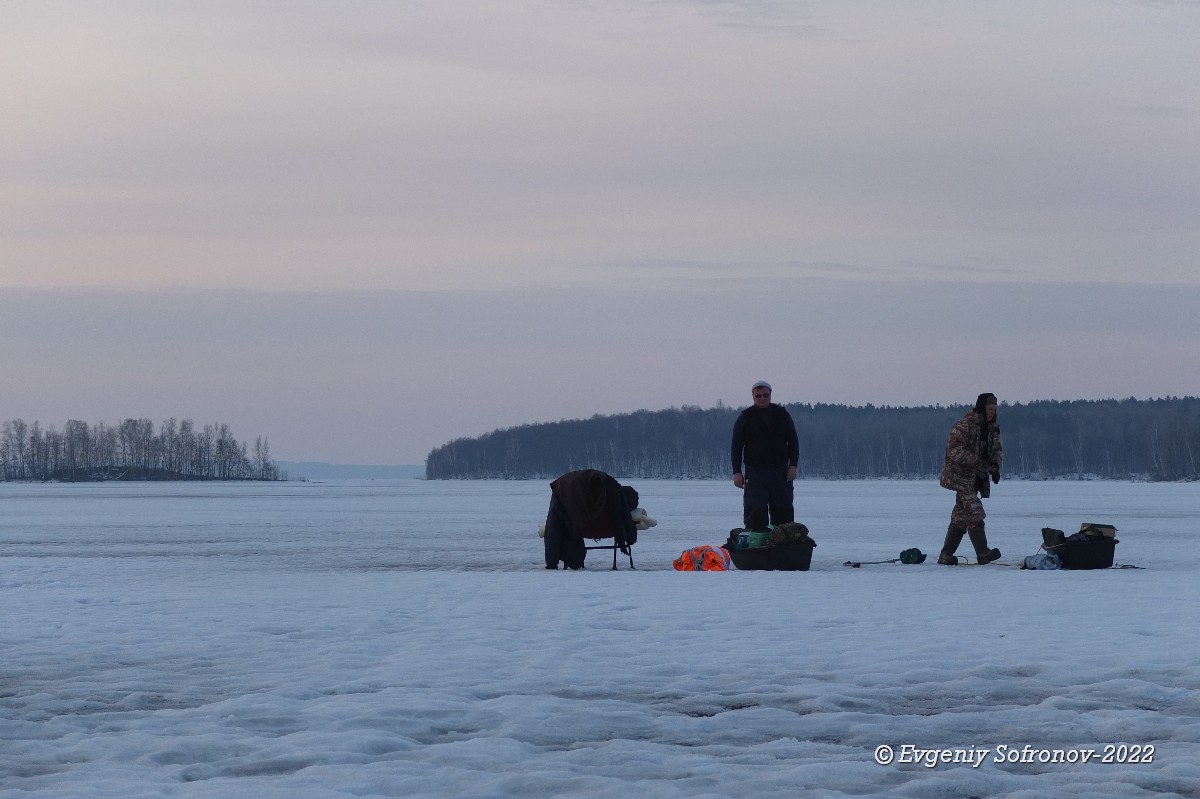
(755, 538)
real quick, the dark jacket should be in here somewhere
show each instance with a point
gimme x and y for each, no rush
(587, 504)
(764, 437)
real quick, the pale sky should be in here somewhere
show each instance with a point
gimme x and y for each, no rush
(362, 229)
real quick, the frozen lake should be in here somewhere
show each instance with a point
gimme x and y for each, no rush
(401, 638)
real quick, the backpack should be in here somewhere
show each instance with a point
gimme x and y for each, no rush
(790, 533)
(703, 559)
(1052, 539)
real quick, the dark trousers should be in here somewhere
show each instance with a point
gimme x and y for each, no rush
(563, 542)
(766, 498)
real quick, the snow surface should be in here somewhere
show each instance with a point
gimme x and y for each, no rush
(402, 638)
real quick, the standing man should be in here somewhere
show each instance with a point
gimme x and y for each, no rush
(764, 439)
(973, 455)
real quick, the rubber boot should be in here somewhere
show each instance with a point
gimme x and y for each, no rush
(954, 536)
(979, 540)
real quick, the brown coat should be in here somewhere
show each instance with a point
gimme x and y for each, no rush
(597, 505)
(968, 463)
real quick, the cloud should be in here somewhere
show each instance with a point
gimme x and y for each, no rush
(434, 218)
(385, 376)
(449, 145)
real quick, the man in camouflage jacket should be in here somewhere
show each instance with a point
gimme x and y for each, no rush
(973, 456)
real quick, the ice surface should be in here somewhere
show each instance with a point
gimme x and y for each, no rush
(403, 639)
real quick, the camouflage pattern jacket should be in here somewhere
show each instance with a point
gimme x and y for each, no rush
(969, 459)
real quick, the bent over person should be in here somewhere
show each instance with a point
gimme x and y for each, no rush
(973, 456)
(587, 504)
(764, 439)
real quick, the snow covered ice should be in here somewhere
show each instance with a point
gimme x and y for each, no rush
(402, 638)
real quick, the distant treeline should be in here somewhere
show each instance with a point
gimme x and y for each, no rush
(131, 450)
(1156, 439)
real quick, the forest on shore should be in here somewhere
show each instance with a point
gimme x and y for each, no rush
(131, 450)
(1128, 439)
